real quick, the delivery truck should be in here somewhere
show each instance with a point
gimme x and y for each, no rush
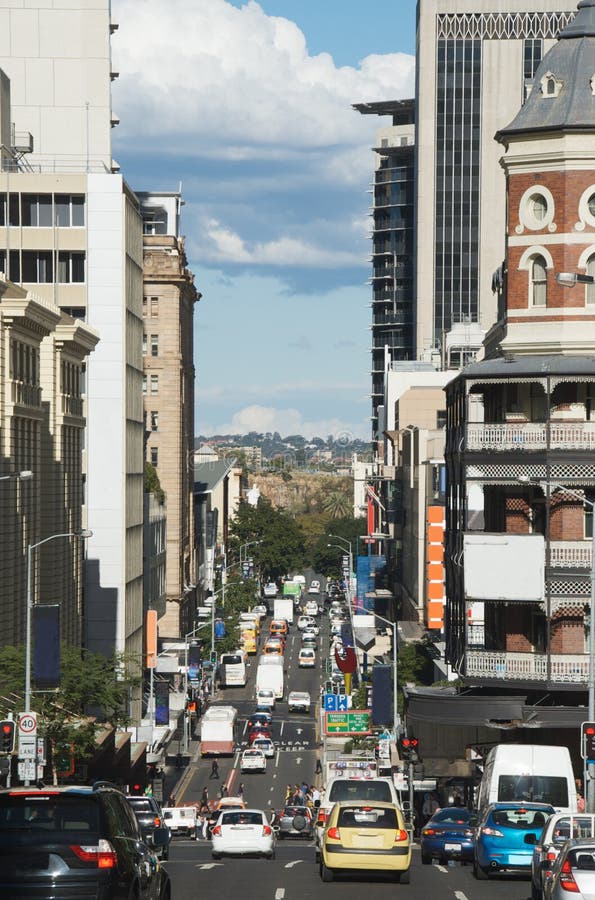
(270, 677)
(283, 609)
(217, 731)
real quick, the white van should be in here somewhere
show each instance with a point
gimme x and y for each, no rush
(270, 678)
(530, 772)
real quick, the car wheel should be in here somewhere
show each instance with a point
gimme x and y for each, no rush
(404, 877)
(426, 860)
(215, 856)
(536, 894)
(325, 873)
(479, 873)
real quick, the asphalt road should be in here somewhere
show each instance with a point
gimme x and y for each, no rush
(293, 875)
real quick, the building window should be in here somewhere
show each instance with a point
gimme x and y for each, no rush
(36, 210)
(154, 345)
(38, 266)
(538, 207)
(144, 344)
(13, 269)
(154, 456)
(154, 384)
(13, 216)
(71, 267)
(590, 288)
(538, 282)
(154, 307)
(70, 210)
(77, 312)
(533, 53)
(154, 420)
(144, 384)
(441, 418)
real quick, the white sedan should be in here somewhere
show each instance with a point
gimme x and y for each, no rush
(304, 622)
(264, 744)
(311, 608)
(307, 658)
(298, 700)
(242, 832)
(253, 760)
(314, 587)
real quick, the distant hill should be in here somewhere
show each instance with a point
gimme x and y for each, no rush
(295, 448)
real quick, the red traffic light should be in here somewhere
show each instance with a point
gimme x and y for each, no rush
(406, 742)
(590, 729)
(6, 728)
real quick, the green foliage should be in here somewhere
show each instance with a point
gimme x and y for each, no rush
(282, 540)
(92, 688)
(337, 504)
(328, 559)
(152, 483)
(413, 666)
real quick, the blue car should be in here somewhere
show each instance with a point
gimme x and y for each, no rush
(447, 835)
(505, 838)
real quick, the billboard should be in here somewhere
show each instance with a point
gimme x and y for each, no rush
(507, 567)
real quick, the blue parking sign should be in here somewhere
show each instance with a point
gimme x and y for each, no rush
(341, 702)
(330, 702)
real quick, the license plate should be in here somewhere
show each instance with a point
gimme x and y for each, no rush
(452, 848)
(518, 860)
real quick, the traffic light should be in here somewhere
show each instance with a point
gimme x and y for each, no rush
(588, 741)
(408, 749)
(7, 736)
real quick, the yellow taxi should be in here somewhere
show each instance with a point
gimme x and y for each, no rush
(249, 642)
(278, 626)
(273, 648)
(366, 835)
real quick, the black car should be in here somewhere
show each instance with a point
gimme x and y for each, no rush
(75, 842)
(150, 818)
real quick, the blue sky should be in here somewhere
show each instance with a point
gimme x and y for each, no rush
(249, 106)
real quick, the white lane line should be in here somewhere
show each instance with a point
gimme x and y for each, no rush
(272, 788)
(245, 727)
(293, 863)
(282, 727)
(209, 865)
(441, 869)
(279, 893)
(277, 758)
(460, 895)
(236, 760)
(274, 774)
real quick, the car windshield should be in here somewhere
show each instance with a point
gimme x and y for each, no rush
(360, 790)
(573, 827)
(520, 819)
(231, 659)
(139, 804)
(367, 817)
(457, 815)
(241, 818)
(56, 813)
(534, 788)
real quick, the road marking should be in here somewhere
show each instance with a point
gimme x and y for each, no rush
(282, 727)
(279, 893)
(208, 865)
(245, 727)
(274, 774)
(298, 760)
(293, 863)
(460, 895)
(441, 869)
(272, 789)
(277, 757)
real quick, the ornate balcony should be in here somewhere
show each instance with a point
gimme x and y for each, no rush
(26, 394)
(502, 666)
(72, 406)
(530, 436)
(570, 554)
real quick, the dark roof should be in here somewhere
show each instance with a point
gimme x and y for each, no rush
(207, 475)
(520, 366)
(571, 62)
(403, 111)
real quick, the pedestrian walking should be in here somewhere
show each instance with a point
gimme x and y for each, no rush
(223, 792)
(214, 769)
(288, 794)
(204, 800)
(318, 766)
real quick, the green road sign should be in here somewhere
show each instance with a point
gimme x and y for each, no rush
(352, 721)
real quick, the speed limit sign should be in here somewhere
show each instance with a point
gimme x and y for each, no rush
(28, 723)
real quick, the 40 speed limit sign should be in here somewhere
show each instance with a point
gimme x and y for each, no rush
(28, 723)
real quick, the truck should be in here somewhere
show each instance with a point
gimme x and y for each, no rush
(283, 608)
(217, 731)
(270, 678)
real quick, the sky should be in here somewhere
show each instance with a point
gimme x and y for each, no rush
(247, 105)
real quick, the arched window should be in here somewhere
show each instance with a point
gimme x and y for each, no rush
(590, 288)
(538, 282)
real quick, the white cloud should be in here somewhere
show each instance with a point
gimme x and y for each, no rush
(215, 75)
(286, 421)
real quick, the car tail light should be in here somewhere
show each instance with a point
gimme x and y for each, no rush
(156, 822)
(551, 856)
(266, 829)
(400, 835)
(492, 832)
(567, 882)
(334, 834)
(217, 830)
(102, 853)
(321, 820)
(428, 831)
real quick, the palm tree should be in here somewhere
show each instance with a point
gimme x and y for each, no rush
(337, 504)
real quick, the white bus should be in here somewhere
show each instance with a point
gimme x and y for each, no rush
(233, 671)
(218, 731)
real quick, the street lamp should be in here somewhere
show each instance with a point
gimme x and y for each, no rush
(246, 545)
(23, 475)
(589, 768)
(84, 534)
(569, 279)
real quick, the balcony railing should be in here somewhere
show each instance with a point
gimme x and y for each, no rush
(527, 666)
(26, 394)
(570, 554)
(531, 436)
(72, 406)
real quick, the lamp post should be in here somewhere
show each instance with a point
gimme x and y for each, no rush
(349, 596)
(23, 475)
(84, 534)
(569, 279)
(589, 768)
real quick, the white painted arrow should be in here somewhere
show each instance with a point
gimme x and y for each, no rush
(209, 865)
(293, 863)
(298, 760)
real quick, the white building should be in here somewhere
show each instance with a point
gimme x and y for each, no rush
(71, 230)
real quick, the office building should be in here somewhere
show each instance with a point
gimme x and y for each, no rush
(169, 296)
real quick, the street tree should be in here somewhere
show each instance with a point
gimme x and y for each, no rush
(281, 541)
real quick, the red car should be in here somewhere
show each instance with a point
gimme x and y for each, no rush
(258, 733)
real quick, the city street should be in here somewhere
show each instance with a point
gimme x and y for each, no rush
(293, 875)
